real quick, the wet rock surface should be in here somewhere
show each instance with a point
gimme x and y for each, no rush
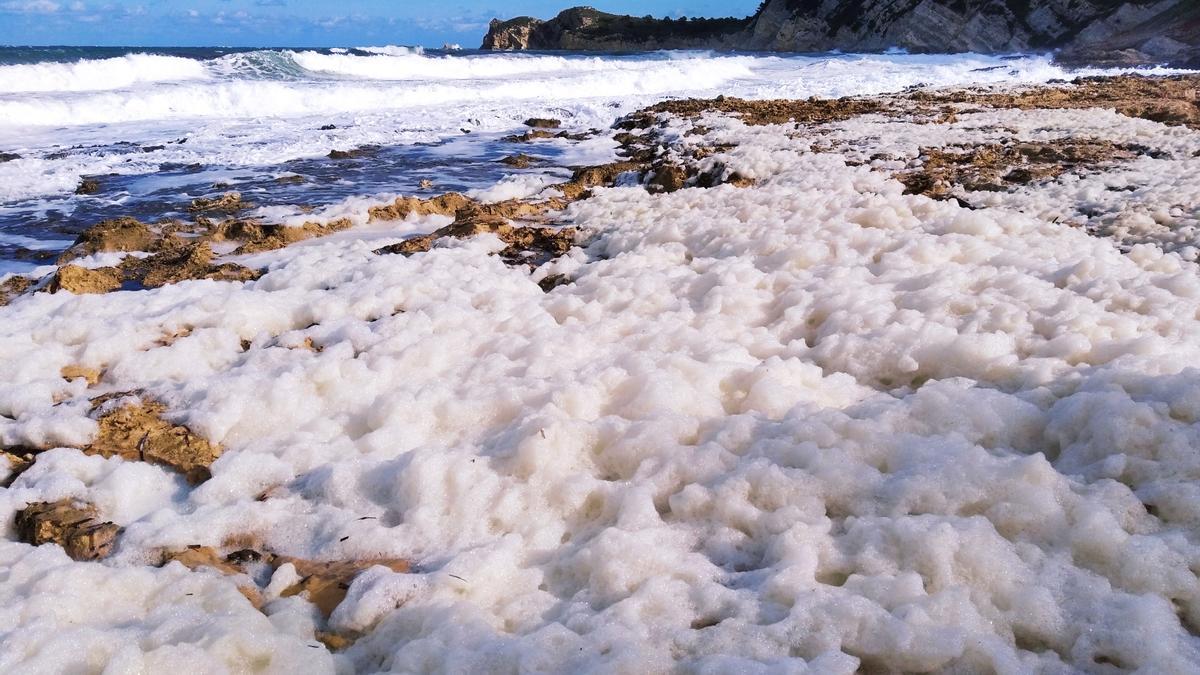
(230, 202)
(519, 161)
(354, 153)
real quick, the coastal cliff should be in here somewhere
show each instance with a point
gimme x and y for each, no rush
(1110, 31)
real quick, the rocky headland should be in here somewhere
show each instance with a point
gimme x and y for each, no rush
(1081, 31)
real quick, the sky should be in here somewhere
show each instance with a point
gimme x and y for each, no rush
(298, 23)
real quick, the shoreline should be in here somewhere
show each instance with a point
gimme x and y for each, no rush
(909, 368)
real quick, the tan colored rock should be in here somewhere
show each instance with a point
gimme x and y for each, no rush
(275, 236)
(443, 205)
(518, 161)
(528, 136)
(195, 557)
(543, 123)
(803, 111)
(193, 261)
(19, 460)
(119, 234)
(137, 432)
(335, 641)
(530, 244)
(75, 372)
(668, 178)
(325, 583)
(588, 177)
(12, 287)
(998, 167)
(72, 525)
(230, 202)
(81, 280)
(355, 153)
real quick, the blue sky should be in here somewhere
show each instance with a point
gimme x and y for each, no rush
(297, 22)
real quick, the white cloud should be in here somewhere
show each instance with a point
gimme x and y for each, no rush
(31, 6)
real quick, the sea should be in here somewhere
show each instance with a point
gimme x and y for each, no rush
(152, 129)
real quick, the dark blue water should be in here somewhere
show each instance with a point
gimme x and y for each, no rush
(457, 165)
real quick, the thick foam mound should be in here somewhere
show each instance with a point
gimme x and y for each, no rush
(814, 423)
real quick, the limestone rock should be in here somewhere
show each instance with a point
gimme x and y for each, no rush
(119, 234)
(668, 178)
(72, 525)
(12, 287)
(518, 161)
(81, 280)
(230, 202)
(136, 431)
(443, 205)
(74, 372)
(193, 261)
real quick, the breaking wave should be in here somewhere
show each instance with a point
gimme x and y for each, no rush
(99, 74)
(285, 83)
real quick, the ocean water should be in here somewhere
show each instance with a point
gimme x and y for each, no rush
(159, 127)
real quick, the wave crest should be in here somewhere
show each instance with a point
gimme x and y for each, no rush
(99, 74)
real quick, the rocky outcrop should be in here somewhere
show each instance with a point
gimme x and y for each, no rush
(73, 525)
(587, 29)
(1111, 31)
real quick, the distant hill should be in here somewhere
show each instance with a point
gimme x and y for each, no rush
(1108, 31)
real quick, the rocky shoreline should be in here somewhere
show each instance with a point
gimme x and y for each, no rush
(179, 251)
(1071, 155)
